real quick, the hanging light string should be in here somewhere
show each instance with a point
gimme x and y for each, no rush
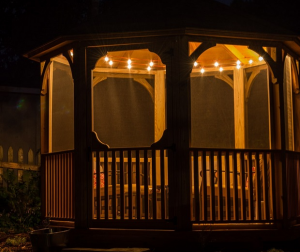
(216, 64)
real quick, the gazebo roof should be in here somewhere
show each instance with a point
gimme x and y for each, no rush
(135, 15)
(134, 18)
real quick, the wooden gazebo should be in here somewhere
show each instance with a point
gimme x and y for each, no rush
(171, 117)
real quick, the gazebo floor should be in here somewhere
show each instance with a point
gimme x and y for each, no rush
(169, 240)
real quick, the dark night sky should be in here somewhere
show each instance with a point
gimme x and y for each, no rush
(225, 1)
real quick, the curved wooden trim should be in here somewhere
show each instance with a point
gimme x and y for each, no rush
(146, 85)
(43, 84)
(200, 49)
(295, 77)
(267, 58)
(97, 144)
(163, 141)
(70, 60)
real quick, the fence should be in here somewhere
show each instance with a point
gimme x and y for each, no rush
(33, 162)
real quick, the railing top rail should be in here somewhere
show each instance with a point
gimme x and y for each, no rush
(129, 149)
(57, 152)
(233, 150)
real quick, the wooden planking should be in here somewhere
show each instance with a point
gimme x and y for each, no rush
(58, 185)
(250, 184)
(130, 184)
(204, 183)
(227, 175)
(162, 177)
(122, 194)
(154, 184)
(273, 186)
(98, 185)
(113, 184)
(196, 186)
(243, 185)
(212, 186)
(267, 188)
(235, 186)
(240, 191)
(258, 186)
(220, 183)
(106, 194)
(138, 185)
(146, 201)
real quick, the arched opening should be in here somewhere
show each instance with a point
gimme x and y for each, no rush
(229, 99)
(229, 113)
(128, 113)
(57, 106)
(129, 98)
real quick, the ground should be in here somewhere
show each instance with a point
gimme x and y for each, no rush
(6, 246)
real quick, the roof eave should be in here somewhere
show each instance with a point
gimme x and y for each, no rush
(63, 41)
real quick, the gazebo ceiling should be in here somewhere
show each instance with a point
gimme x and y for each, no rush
(224, 55)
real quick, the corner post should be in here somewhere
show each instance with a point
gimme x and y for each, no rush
(178, 122)
(80, 135)
(280, 69)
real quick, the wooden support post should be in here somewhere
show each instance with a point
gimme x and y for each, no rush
(239, 108)
(283, 192)
(80, 132)
(178, 106)
(159, 103)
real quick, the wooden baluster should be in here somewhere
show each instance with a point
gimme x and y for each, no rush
(196, 186)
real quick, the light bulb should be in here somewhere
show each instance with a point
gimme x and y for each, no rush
(151, 63)
(110, 62)
(195, 63)
(260, 58)
(238, 62)
(216, 64)
(202, 70)
(250, 61)
(129, 61)
(129, 66)
(148, 68)
(238, 66)
(221, 69)
(106, 58)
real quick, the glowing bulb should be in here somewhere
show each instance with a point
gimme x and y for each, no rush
(148, 68)
(195, 63)
(129, 66)
(106, 58)
(216, 64)
(129, 62)
(151, 63)
(260, 58)
(202, 70)
(71, 53)
(221, 69)
(110, 62)
(250, 61)
(238, 66)
(238, 62)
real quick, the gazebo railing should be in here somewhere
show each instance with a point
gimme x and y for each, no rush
(130, 184)
(58, 183)
(293, 185)
(232, 186)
